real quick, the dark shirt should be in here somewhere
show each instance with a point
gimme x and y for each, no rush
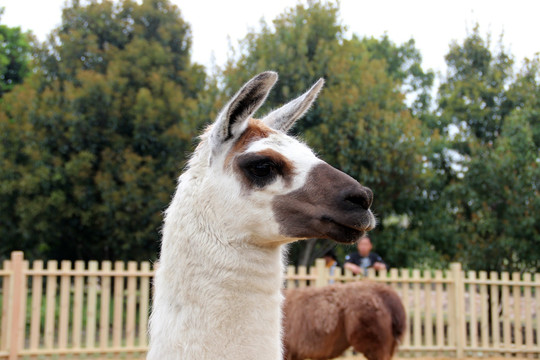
(364, 262)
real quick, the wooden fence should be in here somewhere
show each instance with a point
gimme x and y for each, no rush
(101, 310)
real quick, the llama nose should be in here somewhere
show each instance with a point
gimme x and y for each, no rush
(361, 196)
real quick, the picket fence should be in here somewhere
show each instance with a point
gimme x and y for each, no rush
(92, 310)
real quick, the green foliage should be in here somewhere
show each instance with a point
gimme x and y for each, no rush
(92, 141)
(403, 64)
(491, 180)
(524, 94)
(14, 56)
(473, 95)
(92, 144)
(499, 207)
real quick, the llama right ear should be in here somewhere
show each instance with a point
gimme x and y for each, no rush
(233, 118)
(283, 118)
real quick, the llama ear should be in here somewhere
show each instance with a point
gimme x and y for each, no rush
(233, 118)
(283, 118)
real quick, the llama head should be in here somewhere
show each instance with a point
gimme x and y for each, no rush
(269, 188)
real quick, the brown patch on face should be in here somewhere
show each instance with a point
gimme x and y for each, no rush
(258, 169)
(330, 205)
(285, 166)
(255, 130)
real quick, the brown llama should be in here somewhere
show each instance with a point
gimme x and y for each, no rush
(321, 323)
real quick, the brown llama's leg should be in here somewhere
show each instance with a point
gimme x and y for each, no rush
(370, 332)
(380, 354)
(383, 349)
(395, 344)
(289, 356)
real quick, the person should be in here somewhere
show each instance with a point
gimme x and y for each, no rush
(363, 259)
(331, 263)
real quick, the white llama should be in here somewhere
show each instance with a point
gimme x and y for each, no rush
(248, 189)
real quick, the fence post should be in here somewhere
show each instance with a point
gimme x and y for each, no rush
(459, 308)
(322, 273)
(15, 307)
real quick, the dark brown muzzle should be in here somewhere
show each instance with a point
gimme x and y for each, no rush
(331, 204)
(357, 196)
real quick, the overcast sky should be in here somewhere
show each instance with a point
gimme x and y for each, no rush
(432, 23)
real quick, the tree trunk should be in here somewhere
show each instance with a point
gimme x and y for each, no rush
(305, 255)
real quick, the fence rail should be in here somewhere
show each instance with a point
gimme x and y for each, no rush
(99, 309)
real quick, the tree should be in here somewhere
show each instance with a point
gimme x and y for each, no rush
(473, 97)
(403, 64)
(498, 213)
(524, 94)
(93, 142)
(14, 56)
(492, 175)
(360, 123)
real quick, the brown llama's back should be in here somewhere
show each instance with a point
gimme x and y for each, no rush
(321, 323)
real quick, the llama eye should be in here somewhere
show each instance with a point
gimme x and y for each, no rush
(261, 169)
(258, 171)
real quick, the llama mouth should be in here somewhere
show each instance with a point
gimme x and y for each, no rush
(345, 233)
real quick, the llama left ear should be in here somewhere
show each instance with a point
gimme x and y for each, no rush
(283, 118)
(233, 118)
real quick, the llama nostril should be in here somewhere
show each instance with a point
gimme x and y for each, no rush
(363, 198)
(369, 197)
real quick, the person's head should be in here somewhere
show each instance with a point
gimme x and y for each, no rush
(330, 257)
(364, 246)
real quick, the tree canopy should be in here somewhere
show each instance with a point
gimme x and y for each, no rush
(93, 141)
(14, 56)
(494, 176)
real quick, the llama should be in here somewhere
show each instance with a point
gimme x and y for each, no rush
(248, 189)
(321, 323)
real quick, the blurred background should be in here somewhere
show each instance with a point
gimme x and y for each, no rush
(434, 106)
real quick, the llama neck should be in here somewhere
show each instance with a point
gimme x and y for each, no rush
(219, 301)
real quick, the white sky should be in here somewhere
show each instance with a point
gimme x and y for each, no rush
(432, 23)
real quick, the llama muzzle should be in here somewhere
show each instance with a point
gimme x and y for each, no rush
(331, 205)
